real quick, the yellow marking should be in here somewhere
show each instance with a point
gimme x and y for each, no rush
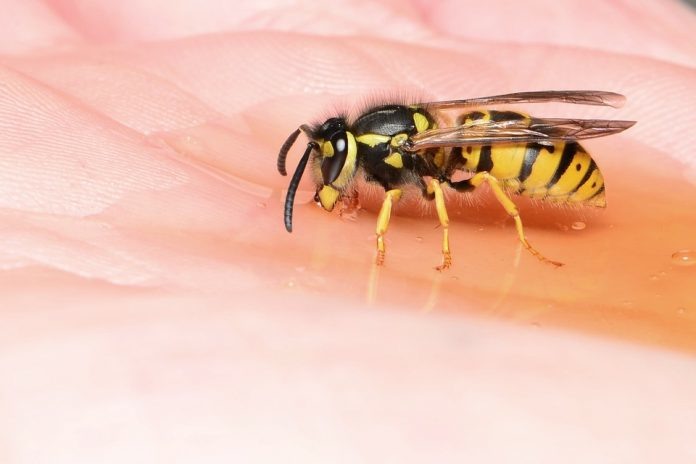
(507, 161)
(373, 140)
(398, 140)
(444, 222)
(543, 170)
(327, 149)
(348, 170)
(420, 121)
(511, 184)
(439, 158)
(586, 190)
(394, 160)
(511, 209)
(390, 197)
(328, 197)
(471, 160)
(571, 177)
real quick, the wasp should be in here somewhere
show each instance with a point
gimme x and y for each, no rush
(400, 146)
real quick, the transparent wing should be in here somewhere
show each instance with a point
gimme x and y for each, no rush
(543, 131)
(580, 97)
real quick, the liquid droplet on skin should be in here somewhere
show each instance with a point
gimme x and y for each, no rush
(419, 239)
(578, 225)
(684, 257)
(681, 310)
(261, 204)
(654, 277)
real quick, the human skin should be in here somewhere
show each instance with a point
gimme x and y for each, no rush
(154, 309)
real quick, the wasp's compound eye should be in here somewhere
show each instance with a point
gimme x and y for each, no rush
(332, 165)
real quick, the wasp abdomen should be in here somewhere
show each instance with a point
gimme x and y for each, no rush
(399, 146)
(561, 172)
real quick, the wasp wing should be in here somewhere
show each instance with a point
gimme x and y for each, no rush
(544, 131)
(580, 97)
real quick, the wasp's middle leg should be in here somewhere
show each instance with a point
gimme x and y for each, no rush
(435, 189)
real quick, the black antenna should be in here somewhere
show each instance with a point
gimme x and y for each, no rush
(295, 181)
(284, 152)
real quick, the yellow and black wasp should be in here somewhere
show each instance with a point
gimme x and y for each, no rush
(397, 146)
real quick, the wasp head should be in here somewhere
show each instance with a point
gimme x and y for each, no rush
(333, 165)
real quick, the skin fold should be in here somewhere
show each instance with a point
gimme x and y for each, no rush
(154, 309)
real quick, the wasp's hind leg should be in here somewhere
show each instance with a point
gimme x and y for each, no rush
(390, 197)
(435, 190)
(507, 203)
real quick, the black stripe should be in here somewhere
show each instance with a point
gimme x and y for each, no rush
(566, 158)
(485, 162)
(474, 116)
(498, 116)
(530, 155)
(598, 192)
(454, 160)
(586, 177)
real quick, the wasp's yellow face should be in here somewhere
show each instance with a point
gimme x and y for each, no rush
(335, 162)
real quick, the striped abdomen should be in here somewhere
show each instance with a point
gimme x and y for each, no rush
(562, 172)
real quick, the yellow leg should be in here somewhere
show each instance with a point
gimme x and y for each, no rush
(511, 209)
(444, 221)
(390, 197)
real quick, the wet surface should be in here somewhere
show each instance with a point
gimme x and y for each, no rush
(626, 273)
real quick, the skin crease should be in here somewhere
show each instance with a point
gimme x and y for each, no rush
(154, 309)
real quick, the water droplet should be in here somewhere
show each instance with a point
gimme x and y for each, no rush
(681, 310)
(684, 257)
(563, 227)
(578, 225)
(654, 277)
(419, 239)
(261, 204)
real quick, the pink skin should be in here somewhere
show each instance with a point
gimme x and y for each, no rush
(155, 310)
